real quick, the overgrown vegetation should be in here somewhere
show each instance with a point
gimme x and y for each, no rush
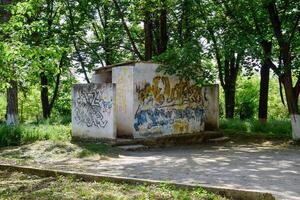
(22, 186)
(273, 129)
(26, 133)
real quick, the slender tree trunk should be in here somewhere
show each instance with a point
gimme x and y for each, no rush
(47, 105)
(163, 30)
(229, 92)
(148, 36)
(44, 96)
(263, 93)
(264, 82)
(12, 104)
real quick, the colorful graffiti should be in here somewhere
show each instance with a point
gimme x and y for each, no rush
(168, 105)
(90, 106)
(161, 92)
(156, 117)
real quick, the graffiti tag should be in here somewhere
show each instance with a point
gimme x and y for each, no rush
(90, 107)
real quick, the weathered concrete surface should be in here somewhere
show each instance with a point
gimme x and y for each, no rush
(254, 167)
(93, 111)
(123, 78)
(153, 104)
(165, 105)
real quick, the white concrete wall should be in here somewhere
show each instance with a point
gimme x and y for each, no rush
(165, 105)
(93, 111)
(123, 78)
(211, 101)
(103, 77)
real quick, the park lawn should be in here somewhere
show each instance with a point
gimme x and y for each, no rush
(14, 185)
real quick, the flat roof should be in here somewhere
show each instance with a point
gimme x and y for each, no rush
(108, 67)
(126, 63)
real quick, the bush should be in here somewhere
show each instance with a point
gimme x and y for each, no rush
(10, 135)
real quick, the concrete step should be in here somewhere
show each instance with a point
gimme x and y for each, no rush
(125, 142)
(219, 140)
(135, 147)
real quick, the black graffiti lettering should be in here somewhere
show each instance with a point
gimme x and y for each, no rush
(90, 107)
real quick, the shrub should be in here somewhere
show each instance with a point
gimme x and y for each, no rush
(10, 135)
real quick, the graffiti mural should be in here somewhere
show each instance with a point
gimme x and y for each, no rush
(169, 106)
(161, 92)
(91, 106)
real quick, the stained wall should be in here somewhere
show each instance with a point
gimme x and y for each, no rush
(93, 110)
(165, 105)
(123, 78)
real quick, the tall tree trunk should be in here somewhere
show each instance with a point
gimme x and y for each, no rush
(264, 82)
(163, 29)
(47, 105)
(229, 92)
(12, 104)
(292, 103)
(44, 96)
(263, 93)
(148, 36)
(231, 69)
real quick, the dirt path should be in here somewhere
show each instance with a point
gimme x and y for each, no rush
(259, 167)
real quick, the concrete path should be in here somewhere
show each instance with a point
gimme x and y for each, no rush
(259, 167)
(243, 167)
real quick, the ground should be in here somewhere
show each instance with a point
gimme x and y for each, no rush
(266, 166)
(21, 186)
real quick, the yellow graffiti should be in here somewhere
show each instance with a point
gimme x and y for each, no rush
(161, 92)
(180, 127)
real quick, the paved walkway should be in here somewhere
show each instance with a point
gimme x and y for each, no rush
(259, 167)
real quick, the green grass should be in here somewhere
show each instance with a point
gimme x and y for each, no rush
(273, 129)
(27, 133)
(22, 186)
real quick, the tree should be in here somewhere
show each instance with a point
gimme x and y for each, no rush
(42, 46)
(287, 37)
(12, 91)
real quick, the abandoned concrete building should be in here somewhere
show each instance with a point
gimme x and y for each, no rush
(133, 100)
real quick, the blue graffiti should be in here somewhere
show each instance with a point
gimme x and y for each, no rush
(156, 117)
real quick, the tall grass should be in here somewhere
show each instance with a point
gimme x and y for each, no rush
(280, 129)
(16, 135)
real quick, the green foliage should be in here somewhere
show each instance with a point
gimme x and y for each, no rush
(188, 62)
(31, 133)
(273, 129)
(247, 99)
(10, 135)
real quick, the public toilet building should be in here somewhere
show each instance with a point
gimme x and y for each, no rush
(133, 100)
